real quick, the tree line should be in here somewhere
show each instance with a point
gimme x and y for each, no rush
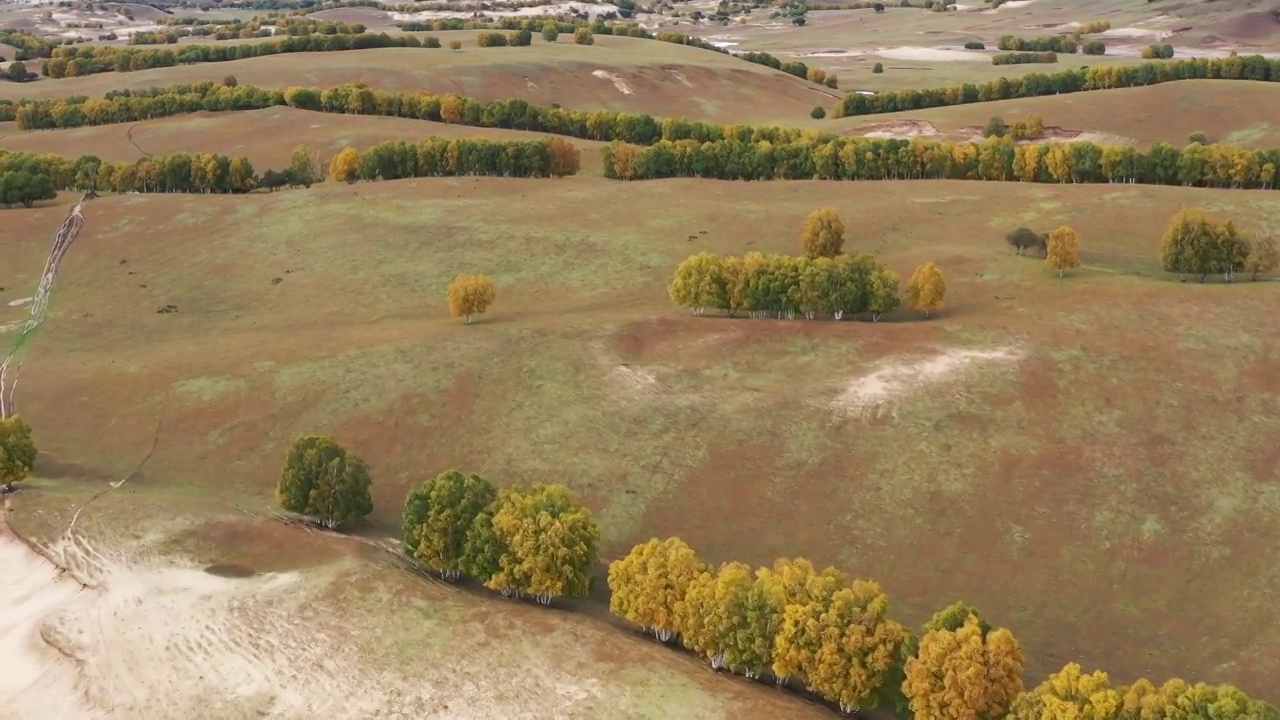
(257, 27)
(94, 59)
(1196, 244)
(1048, 43)
(1024, 58)
(993, 159)
(1105, 77)
(440, 157)
(820, 630)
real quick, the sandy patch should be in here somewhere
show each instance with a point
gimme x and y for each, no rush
(20, 302)
(1132, 33)
(922, 54)
(614, 78)
(876, 392)
(591, 9)
(679, 76)
(636, 381)
(900, 129)
(1013, 5)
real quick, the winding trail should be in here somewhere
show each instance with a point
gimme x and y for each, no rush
(39, 305)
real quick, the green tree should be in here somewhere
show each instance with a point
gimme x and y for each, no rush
(583, 36)
(954, 616)
(549, 544)
(1062, 250)
(647, 586)
(926, 289)
(712, 611)
(439, 513)
(304, 168)
(822, 234)
(700, 283)
(964, 675)
(818, 112)
(550, 30)
(882, 293)
(17, 451)
(877, 68)
(323, 482)
(482, 551)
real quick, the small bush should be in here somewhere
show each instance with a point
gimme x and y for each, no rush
(455, 44)
(877, 68)
(1198, 137)
(1158, 52)
(975, 45)
(230, 81)
(583, 36)
(431, 41)
(832, 81)
(1094, 47)
(818, 112)
(491, 39)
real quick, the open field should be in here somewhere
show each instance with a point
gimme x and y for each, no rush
(915, 453)
(257, 135)
(1226, 111)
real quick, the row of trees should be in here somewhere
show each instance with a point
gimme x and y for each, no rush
(93, 59)
(1024, 58)
(537, 542)
(832, 635)
(437, 157)
(821, 282)
(1196, 244)
(1104, 77)
(237, 29)
(178, 172)
(1048, 43)
(994, 159)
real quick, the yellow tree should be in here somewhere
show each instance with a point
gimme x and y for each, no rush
(822, 234)
(712, 611)
(344, 165)
(963, 674)
(470, 295)
(1063, 250)
(1264, 256)
(700, 283)
(926, 289)
(802, 594)
(548, 544)
(1070, 694)
(566, 159)
(649, 583)
(858, 646)
(17, 451)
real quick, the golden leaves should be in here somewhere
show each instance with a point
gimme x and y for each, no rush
(926, 289)
(1063, 250)
(963, 675)
(470, 295)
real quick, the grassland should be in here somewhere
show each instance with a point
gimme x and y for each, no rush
(1050, 465)
(1089, 460)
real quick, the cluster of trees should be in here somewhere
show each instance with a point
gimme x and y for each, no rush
(1196, 244)
(1105, 77)
(469, 295)
(1029, 129)
(995, 159)
(21, 187)
(29, 46)
(516, 38)
(1158, 52)
(1024, 58)
(537, 542)
(93, 59)
(799, 69)
(821, 282)
(437, 157)
(242, 29)
(1049, 43)
(17, 452)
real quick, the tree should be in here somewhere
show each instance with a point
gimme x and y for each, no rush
(470, 295)
(926, 288)
(857, 645)
(550, 30)
(549, 544)
(17, 451)
(647, 586)
(818, 112)
(877, 68)
(345, 166)
(699, 283)
(1026, 239)
(583, 36)
(712, 611)
(954, 616)
(1070, 694)
(964, 675)
(822, 234)
(304, 167)
(439, 513)
(1264, 256)
(1062, 250)
(321, 481)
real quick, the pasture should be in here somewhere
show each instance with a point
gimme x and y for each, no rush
(1090, 460)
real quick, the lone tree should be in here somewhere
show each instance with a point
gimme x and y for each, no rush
(17, 452)
(321, 481)
(583, 36)
(550, 30)
(1194, 244)
(470, 295)
(926, 289)
(822, 234)
(1063, 250)
(437, 516)
(547, 544)
(647, 586)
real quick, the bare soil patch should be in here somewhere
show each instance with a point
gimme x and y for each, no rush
(878, 391)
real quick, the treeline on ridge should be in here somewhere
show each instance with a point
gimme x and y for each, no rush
(94, 59)
(1105, 77)
(994, 159)
(237, 29)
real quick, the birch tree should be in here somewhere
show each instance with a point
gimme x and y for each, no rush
(647, 586)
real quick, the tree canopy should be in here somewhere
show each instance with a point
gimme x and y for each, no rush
(650, 583)
(439, 513)
(822, 234)
(548, 542)
(1195, 244)
(323, 482)
(470, 295)
(17, 450)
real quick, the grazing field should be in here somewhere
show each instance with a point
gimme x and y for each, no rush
(624, 74)
(266, 137)
(1017, 453)
(1226, 111)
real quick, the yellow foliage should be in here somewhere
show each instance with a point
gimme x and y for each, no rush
(962, 675)
(1063, 250)
(926, 288)
(1070, 694)
(17, 451)
(565, 157)
(649, 583)
(344, 165)
(470, 295)
(822, 234)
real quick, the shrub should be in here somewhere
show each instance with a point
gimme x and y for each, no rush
(975, 45)
(1027, 239)
(17, 451)
(455, 44)
(1094, 47)
(323, 482)
(431, 42)
(1158, 52)
(583, 36)
(550, 31)
(877, 68)
(491, 39)
(818, 112)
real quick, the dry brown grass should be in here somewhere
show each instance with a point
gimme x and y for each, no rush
(1070, 490)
